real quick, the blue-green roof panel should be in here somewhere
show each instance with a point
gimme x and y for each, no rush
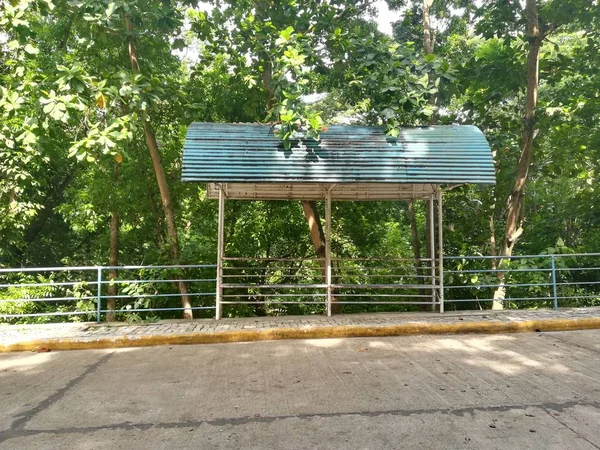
(230, 153)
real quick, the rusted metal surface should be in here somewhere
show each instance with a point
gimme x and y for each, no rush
(318, 191)
(250, 153)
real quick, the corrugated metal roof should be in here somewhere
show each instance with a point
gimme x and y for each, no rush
(250, 153)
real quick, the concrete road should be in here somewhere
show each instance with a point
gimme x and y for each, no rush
(538, 391)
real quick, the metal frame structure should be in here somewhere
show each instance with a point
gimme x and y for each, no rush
(440, 249)
(93, 280)
(242, 161)
(432, 250)
(327, 191)
(328, 248)
(81, 293)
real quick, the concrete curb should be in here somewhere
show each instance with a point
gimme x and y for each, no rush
(346, 331)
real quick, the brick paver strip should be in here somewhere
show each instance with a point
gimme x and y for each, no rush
(85, 332)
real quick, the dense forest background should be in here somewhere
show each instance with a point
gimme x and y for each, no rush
(96, 97)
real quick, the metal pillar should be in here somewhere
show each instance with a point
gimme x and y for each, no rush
(99, 295)
(328, 249)
(220, 251)
(432, 251)
(440, 249)
(554, 294)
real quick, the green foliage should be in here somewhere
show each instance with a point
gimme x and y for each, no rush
(70, 108)
(34, 294)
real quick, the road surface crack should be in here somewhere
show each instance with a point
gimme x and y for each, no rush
(21, 420)
(240, 421)
(568, 427)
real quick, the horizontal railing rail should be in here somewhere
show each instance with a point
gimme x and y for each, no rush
(88, 293)
(384, 284)
(523, 281)
(257, 286)
(273, 285)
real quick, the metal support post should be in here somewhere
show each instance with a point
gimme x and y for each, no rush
(440, 249)
(432, 250)
(553, 262)
(99, 296)
(328, 249)
(220, 251)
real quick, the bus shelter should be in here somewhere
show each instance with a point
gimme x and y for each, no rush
(348, 163)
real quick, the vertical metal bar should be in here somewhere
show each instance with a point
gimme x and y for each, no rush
(440, 249)
(220, 250)
(432, 250)
(99, 295)
(554, 281)
(328, 249)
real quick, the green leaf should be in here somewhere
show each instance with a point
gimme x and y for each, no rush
(315, 122)
(31, 49)
(287, 117)
(110, 9)
(287, 33)
(393, 132)
(178, 44)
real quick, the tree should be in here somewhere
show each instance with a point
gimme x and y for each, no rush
(84, 96)
(159, 171)
(514, 219)
(537, 30)
(83, 93)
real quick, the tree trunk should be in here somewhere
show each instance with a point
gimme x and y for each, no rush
(316, 233)
(263, 9)
(428, 45)
(428, 243)
(514, 216)
(159, 234)
(315, 227)
(67, 33)
(493, 240)
(318, 238)
(113, 289)
(492, 220)
(428, 40)
(33, 231)
(266, 78)
(416, 245)
(161, 179)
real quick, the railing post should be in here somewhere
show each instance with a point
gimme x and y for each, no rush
(432, 251)
(328, 249)
(99, 296)
(440, 248)
(553, 265)
(220, 250)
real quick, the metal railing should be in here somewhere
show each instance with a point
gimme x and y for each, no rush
(529, 281)
(277, 286)
(299, 285)
(274, 285)
(84, 293)
(379, 284)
